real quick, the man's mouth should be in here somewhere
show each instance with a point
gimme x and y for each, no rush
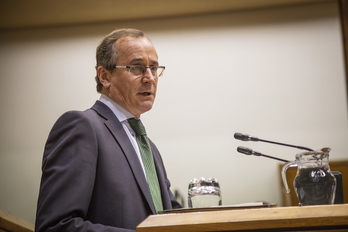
(145, 93)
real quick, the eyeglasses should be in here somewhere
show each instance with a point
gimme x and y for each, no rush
(138, 70)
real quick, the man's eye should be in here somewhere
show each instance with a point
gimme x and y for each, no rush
(136, 68)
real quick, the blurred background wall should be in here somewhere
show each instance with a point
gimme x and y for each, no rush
(276, 73)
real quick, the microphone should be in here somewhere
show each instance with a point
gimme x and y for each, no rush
(248, 151)
(246, 137)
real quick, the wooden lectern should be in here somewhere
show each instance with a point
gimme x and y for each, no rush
(10, 223)
(297, 218)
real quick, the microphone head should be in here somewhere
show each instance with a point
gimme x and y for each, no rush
(245, 137)
(240, 136)
(244, 150)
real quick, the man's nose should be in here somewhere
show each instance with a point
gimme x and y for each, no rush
(148, 76)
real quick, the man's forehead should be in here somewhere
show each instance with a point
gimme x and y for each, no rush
(131, 39)
(134, 48)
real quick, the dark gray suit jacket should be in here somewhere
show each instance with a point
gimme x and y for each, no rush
(92, 179)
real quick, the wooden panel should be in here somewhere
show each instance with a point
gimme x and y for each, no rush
(343, 5)
(34, 13)
(9, 222)
(329, 217)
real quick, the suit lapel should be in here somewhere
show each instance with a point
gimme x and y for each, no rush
(117, 131)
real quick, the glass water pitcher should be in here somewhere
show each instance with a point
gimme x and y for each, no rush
(314, 183)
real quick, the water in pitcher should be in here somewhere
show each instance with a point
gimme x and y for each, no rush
(314, 186)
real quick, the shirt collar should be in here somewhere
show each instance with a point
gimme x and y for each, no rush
(121, 113)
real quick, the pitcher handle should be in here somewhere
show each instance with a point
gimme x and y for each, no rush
(284, 169)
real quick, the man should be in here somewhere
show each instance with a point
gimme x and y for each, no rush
(94, 175)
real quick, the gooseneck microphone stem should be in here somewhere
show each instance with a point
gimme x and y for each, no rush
(279, 159)
(288, 145)
(246, 137)
(248, 151)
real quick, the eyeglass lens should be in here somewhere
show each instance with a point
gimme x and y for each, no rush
(138, 70)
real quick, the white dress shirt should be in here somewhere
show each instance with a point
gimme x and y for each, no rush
(123, 115)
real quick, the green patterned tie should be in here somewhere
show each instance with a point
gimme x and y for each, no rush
(149, 164)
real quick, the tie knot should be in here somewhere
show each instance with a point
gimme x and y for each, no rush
(137, 126)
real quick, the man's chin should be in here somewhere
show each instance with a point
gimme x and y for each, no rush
(146, 106)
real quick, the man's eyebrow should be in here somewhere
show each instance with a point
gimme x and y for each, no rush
(155, 62)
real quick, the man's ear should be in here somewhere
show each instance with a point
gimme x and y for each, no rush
(104, 77)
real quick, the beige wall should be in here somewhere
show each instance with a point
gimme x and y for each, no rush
(274, 73)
